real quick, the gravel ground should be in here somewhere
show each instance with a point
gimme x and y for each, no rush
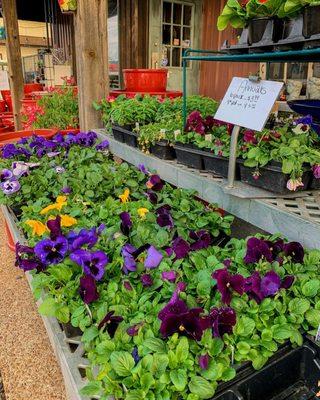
(28, 366)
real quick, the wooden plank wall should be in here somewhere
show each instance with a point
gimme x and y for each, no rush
(215, 77)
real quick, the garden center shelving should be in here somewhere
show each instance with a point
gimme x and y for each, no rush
(306, 55)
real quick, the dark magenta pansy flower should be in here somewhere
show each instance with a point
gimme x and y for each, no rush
(180, 247)
(164, 218)
(202, 240)
(153, 198)
(93, 263)
(223, 320)
(155, 183)
(110, 322)
(316, 171)
(54, 226)
(146, 280)
(249, 136)
(66, 190)
(127, 285)
(252, 287)
(27, 260)
(51, 251)
(88, 289)
(295, 251)
(257, 249)
(126, 223)
(170, 276)
(270, 284)
(143, 169)
(226, 283)
(287, 282)
(134, 329)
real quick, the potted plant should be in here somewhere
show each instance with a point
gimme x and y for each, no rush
(311, 15)
(68, 6)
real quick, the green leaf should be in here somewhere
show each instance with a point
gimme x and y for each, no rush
(179, 379)
(135, 395)
(48, 307)
(313, 318)
(310, 289)
(216, 346)
(155, 345)
(201, 387)
(299, 306)
(63, 314)
(91, 389)
(122, 362)
(243, 348)
(281, 332)
(228, 374)
(259, 361)
(90, 334)
(182, 350)
(287, 166)
(147, 381)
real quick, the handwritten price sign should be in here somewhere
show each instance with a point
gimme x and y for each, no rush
(248, 104)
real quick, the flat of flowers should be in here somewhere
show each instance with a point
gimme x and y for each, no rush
(27, 363)
(270, 178)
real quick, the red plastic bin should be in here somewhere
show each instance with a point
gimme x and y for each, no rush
(15, 136)
(145, 80)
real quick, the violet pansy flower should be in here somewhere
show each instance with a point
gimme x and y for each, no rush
(169, 276)
(126, 223)
(146, 280)
(153, 198)
(66, 190)
(295, 251)
(153, 259)
(5, 175)
(164, 218)
(155, 183)
(180, 247)
(204, 361)
(10, 186)
(104, 145)
(26, 259)
(143, 169)
(111, 323)
(88, 289)
(257, 249)
(51, 251)
(93, 263)
(202, 240)
(226, 283)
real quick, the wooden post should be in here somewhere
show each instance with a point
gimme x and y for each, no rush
(9, 11)
(92, 59)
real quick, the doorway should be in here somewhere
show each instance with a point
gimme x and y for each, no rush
(174, 26)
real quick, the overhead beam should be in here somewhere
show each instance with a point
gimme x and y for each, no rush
(91, 58)
(9, 13)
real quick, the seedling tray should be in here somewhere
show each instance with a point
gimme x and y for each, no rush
(189, 156)
(118, 133)
(218, 165)
(163, 150)
(271, 178)
(124, 135)
(314, 183)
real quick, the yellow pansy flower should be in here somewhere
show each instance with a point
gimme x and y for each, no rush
(38, 228)
(124, 197)
(60, 202)
(142, 212)
(67, 221)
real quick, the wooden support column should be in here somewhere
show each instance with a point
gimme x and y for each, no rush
(92, 59)
(9, 11)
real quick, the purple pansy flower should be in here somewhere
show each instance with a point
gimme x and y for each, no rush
(153, 198)
(85, 139)
(223, 320)
(143, 169)
(51, 251)
(295, 251)
(146, 280)
(155, 183)
(164, 218)
(127, 252)
(135, 355)
(66, 190)
(153, 259)
(316, 171)
(127, 286)
(134, 329)
(54, 226)
(88, 289)
(204, 361)
(180, 247)
(5, 175)
(126, 223)
(305, 120)
(270, 284)
(26, 259)
(256, 250)
(9, 151)
(87, 237)
(59, 169)
(93, 263)
(287, 282)
(104, 145)
(226, 283)
(23, 140)
(111, 323)
(170, 276)
(252, 287)
(202, 240)
(227, 263)
(10, 186)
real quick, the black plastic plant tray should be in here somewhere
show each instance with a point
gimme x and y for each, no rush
(271, 178)
(124, 134)
(130, 138)
(118, 133)
(163, 150)
(293, 375)
(188, 156)
(218, 165)
(314, 183)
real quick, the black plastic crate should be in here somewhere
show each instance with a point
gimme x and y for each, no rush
(218, 165)
(189, 156)
(163, 150)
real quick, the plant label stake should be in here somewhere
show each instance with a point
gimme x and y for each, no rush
(247, 103)
(318, 334)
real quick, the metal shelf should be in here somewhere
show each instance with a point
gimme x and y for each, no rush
(296, 216)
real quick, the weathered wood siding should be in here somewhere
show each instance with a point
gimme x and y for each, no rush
(215, 77)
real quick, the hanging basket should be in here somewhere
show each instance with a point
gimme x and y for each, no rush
(68, 6)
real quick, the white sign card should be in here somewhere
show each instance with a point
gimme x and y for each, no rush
(247, 103)
(4, 81)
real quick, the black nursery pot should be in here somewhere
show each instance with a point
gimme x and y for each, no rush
(130, 138)
(118, 133)
(271, 178)
(163, 150)
(256, 29)
(218, 165)
(189, 156)
(314, 183)
(311, 21)
(71, 331)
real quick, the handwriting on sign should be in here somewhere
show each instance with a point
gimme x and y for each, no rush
(248, 103)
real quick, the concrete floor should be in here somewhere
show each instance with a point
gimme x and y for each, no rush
(28, 366)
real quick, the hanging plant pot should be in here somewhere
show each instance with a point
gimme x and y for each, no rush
(145, 80)
(68, 6)
(256, 29)
(311, 21)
